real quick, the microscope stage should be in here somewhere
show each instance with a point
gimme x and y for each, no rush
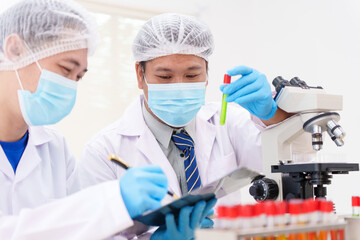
(335, 168)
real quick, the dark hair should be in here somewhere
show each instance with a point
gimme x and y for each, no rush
(142, 65)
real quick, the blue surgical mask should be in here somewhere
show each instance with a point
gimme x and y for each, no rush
(176, 104)
(53, 100)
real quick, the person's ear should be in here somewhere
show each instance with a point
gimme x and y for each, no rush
(139, 75)
(13, 47)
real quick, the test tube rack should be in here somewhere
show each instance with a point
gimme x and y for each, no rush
(240, 234)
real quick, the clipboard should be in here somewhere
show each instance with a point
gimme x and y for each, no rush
(157, 217)
(219, 188)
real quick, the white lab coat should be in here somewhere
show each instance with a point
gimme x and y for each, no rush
(94, 213)
(45, 173)
(219, 149)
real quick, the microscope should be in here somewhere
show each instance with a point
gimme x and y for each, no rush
(314, 114)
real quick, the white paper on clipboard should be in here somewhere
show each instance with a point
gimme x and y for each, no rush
(230, 183)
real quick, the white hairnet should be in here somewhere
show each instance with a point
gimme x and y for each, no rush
(47, 27)
(172, 33)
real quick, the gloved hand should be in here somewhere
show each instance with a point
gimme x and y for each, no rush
(207, 222)
(251, 91)
(190, 218)
(142, 189)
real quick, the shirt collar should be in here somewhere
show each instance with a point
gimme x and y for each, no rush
(163, 132)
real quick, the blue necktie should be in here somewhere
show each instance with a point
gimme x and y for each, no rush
(185, 143)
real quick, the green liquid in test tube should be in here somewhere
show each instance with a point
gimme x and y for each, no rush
(227, 80)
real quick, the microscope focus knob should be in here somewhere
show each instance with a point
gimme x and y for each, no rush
(264, 189)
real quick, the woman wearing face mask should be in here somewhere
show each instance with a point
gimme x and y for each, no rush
(44, 45)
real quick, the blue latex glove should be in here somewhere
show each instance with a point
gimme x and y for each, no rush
(251, 91)
(207, 222)
(142, 189)
(190, 218)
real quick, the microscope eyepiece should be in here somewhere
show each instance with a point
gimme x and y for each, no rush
(295, 81)
(279, 82)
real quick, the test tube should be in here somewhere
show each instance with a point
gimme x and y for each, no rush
(334, 234)
(281, 217)
(270, 211)
(238, 220)
(326, 208)
(311, 206)
(221, 217)
(259, 218)
(227, 80)
(302, 220)
(259, 212)
(247, 214)
(232, 214)
(297, 217)
(341, 234)
(355, 202)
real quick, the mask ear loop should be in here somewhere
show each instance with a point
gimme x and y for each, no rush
(37, 64)
(18, 78)
(143, 73)
(32, 54)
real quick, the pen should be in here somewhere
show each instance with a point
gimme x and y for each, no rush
(125, 166)
(227, 80)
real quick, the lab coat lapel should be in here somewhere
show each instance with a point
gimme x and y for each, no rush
(30, 158)
(5, 166)
(134, 125)
(148, 145)
(204, 140)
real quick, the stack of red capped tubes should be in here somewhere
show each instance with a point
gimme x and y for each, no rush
(277, 215)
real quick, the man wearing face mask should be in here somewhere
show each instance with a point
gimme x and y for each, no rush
(172, 126)
(44, 45)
